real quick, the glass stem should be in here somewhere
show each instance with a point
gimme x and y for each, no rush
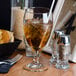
(36, 58)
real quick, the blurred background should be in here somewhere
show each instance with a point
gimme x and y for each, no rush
(5, 14)
(5, 11)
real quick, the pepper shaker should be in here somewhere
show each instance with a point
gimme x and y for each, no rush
(64, 52)
(54, 46)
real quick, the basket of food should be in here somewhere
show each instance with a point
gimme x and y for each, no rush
(8, 44)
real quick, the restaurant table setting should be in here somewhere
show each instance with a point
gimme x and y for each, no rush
(34, 32)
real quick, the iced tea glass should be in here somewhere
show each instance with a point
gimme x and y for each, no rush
(37, 29)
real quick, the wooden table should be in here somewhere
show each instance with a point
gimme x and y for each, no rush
(17, 69)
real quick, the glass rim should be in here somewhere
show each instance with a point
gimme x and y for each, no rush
(44, 8)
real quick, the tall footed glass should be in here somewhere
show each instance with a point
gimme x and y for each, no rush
(37, 29)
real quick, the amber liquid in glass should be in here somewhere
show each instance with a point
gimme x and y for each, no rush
(37, 34)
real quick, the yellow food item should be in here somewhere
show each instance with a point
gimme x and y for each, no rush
(6, 36)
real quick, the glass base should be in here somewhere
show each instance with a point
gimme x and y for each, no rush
(35, 67)
(53, 60)
(62, 66)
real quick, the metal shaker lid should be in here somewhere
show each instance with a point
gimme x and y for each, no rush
(65, 39)
(58, 32)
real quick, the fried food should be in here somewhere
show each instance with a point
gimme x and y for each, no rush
(6, 36)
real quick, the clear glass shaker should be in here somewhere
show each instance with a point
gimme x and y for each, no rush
(54, 46)
(64, 52)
